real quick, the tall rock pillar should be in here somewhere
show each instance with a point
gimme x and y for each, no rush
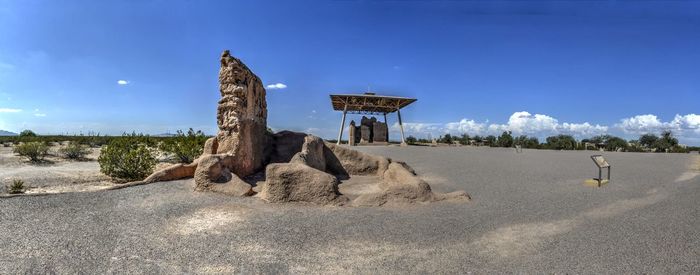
(241, 117)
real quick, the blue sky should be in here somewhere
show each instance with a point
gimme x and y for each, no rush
(536, 68)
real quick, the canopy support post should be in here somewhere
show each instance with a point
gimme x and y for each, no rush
(342, 123)
(403, 139)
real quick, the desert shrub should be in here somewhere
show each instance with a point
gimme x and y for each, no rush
(17, 187)
(74, 150)
(186, 147)
(6, 144)
(127, 158)
(35, 151)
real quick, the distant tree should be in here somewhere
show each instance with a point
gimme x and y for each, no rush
(411, 140)
(478, 138)
(666, 142)
(561, 142)
(613, 143)
(27, 133)
(648, 140)
(505, 140)
(527, 142)
(491, 140)
(464, 139)
(447, 138)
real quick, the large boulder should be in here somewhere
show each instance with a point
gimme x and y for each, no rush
(212, 174)
(298, 182)
(311, 153)
(358, 163)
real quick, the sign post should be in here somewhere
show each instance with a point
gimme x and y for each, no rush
(600, 161)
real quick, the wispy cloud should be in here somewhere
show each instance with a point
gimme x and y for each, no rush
(122, 82)
(6, 66)
(276, 86)
(9, 110)
(38, 113)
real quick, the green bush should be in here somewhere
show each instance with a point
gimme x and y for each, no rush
(17, 187)
(127, 159)
(35, 151)
(74, 150)
(186, 147)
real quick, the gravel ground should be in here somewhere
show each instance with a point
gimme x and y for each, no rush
(530, 213)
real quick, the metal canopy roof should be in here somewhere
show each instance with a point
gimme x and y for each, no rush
(369, 103)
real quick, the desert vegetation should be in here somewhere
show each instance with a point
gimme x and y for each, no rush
(129, 158)
(124, 158)
(186, 147)
(17, 187)
(74, 151)
(35, 151)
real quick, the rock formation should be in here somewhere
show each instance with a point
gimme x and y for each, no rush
(297, 167)
(241, 117)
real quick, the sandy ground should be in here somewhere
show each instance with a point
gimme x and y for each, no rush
(530, 213)
(55, 174)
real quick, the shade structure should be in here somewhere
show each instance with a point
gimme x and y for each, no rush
(369, 103)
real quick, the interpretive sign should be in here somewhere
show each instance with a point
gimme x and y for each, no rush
(600, 161)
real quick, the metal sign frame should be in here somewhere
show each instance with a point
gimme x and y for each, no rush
(601, 163)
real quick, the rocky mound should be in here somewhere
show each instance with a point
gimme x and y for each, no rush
(297, 167)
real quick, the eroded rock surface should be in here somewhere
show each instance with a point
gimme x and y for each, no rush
(241, 116)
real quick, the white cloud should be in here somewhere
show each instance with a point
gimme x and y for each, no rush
(526, 123)
(519, 123)
(9, 110)
(39, 115)
(641, 124)
(687, 122)
(276, 86)
(122, 82)
(466, 126)
(681, 125)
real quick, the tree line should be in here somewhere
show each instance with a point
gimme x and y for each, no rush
(666, 142)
